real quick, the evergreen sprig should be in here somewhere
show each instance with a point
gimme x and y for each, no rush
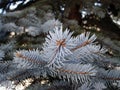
(75, 59)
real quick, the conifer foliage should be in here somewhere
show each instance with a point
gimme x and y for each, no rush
(79, 60)
(38, 49)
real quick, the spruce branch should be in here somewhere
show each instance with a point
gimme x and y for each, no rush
(77, 72)
(29, 59)
(109, 74)
(76, 59)
(83, 39)
(57, 46)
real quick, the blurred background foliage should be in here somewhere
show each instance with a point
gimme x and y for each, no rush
(98, 16)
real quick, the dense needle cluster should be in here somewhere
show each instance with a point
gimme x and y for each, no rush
(74, 59)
